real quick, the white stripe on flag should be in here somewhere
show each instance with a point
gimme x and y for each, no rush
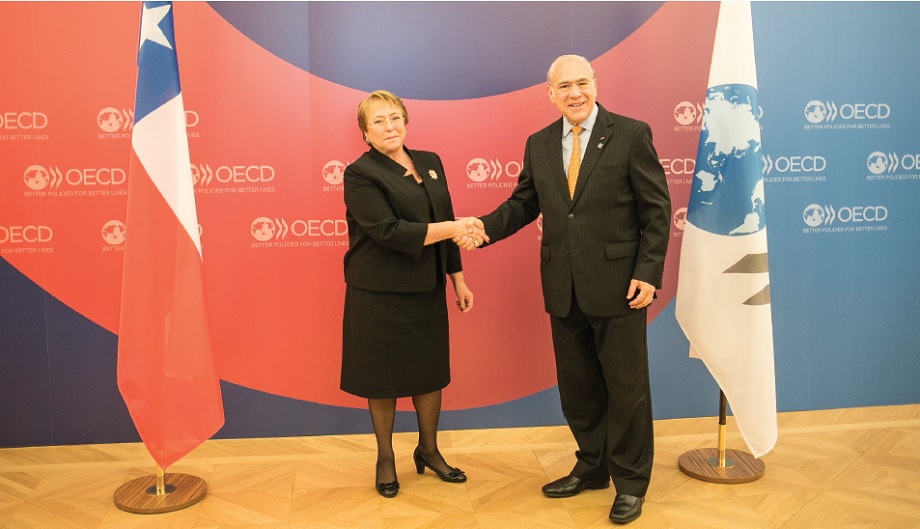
(161, 144)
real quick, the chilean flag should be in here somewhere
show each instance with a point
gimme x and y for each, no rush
(166, 371)
(723, 288)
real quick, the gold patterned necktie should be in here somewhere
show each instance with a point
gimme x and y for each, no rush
(574, 160)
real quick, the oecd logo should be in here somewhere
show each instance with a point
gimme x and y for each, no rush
(816, 215)
(687, 113)
(480, 169)
(23, 120)
(817, 111)
(794, 164)
(334, 172)
(113, 232)
(264, 229)
(112, 120)
(880, 162)
(25, 234)
(37, 177)
(680, 219)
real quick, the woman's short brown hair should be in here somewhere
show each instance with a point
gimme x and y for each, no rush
(379, 96)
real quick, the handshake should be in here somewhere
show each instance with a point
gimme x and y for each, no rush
(469, 233)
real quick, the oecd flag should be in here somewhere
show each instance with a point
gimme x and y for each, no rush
(723, 291)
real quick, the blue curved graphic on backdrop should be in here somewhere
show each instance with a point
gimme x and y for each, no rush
(444, 50)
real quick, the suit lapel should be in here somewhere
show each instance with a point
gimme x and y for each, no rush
(554, 154)
(600, 138)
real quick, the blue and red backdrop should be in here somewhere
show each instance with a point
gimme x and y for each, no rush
(270, 94)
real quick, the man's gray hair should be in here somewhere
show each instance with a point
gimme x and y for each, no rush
(552, 67)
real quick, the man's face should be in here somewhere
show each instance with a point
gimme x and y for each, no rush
(573, 90)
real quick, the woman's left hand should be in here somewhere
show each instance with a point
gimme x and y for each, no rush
(464, 297)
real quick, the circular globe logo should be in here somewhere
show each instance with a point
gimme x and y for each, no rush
(334, 172)
(196, 174)
(814, 215)
(36, 177)
(685, 113)
(110, 119)
(815, 111)
(877, 162)
(477, 170)
(263, 229)
(113, 232)
(680, 218)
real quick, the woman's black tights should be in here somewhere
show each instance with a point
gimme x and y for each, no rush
(383, 416)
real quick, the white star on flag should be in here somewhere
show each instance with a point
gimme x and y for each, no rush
(150, 26)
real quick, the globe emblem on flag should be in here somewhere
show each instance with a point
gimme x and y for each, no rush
(263, 229)
(334, 172)
(877, 162)
(113, 232)
(110, 119)
(685, 113)
(477, 170)
(727, 191)
(815, 112)
(814, 215)
(36, 177)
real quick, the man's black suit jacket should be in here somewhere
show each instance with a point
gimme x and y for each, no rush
(616, 227)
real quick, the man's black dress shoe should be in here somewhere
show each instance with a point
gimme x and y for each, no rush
(626, 508)
(570, 486)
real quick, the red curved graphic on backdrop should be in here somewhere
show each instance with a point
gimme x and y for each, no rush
(268, 142)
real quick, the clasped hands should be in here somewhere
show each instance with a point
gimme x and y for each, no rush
(469, 233)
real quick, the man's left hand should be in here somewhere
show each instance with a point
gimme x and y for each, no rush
(640, 294)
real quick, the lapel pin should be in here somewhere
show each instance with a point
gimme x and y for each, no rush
(601, 143)
(432, 174)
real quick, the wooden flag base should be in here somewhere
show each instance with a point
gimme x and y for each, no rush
(718, 465)
(140, 496)
(703, 464)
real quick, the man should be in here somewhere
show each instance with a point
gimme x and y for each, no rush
(601, 259)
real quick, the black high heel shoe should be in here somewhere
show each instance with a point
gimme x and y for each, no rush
(454, 475)
(387, 490)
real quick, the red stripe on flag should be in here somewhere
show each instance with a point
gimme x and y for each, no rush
(166, 370)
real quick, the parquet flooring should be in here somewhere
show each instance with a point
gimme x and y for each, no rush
(850, 468)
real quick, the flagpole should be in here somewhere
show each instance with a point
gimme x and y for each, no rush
(722, 422)
(160, 493)
(721, 465)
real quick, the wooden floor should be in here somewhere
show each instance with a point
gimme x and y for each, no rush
(852, 468)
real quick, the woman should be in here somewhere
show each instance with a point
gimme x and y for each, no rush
(395, 336)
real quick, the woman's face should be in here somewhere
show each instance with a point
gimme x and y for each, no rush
(386, 127)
